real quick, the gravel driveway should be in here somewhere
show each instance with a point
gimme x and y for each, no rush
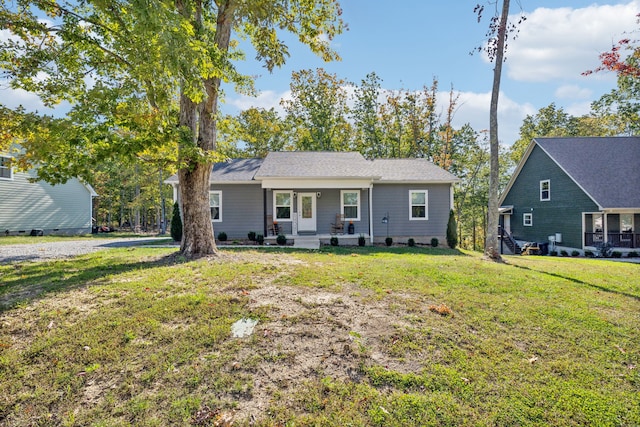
(64, 249)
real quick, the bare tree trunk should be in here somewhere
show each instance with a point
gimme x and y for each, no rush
(200, 119)
(491, 244)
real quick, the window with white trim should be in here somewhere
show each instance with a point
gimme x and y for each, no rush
(527, 220)
(215, 204)
(418, 205)
(282, 205)
(545, 190)
(5, 168)
(350, 204)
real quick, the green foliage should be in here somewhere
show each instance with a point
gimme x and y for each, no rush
(362, 240)
(616, 254)
(452, 230)
(333, 241)
(222, 236)
(259, 239)
(575, 253)
(388, 241)
(435, 242)
(176, 223)
(553, 253)
(587, 253)
(252, 236)
(411, 242)
(281, 239)
(564, 253)
(632, 254)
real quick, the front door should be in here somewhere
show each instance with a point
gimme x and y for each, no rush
(307, 212)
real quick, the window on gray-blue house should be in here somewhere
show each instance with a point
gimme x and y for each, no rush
(215, 205)
(545, 190)
(5, 168)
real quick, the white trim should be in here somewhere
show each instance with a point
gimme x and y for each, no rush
(275, 210)
(342, 205)
(315, 183)
(370, 195)
(426, 205)
(219, 194)
(548, 190)
(530, 220)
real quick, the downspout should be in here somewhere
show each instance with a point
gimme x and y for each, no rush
(264, 211)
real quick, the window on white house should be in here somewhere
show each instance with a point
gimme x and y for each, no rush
(545, 190)
(418, 205)
(527, 220)
(215, 204)
(597, 223)
(5, 168)
(282, 202)
(626, 223)
(350, 204)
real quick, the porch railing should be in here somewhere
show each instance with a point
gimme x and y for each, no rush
(616, 240)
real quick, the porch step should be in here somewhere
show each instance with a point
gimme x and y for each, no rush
(306, 242)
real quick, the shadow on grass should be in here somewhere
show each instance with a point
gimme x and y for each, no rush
(25, 282)
(349, 250)
(580, 282)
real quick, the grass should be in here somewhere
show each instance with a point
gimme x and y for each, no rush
(19, 240)
(346, 336)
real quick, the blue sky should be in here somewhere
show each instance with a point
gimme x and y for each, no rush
(408, 42)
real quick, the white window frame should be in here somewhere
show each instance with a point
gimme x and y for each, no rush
(275, 207)
(527, 219)
(548, 190)
(622, 230)
(219, 194)
(343, 205)
(426, 205)
(9, 168)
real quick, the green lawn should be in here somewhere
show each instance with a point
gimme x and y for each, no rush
(19, 240)
(345, 337)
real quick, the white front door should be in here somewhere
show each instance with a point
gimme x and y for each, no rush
(307, 212)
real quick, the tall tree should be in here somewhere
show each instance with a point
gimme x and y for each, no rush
(318, 111)
(366, 117)
(495, 48)
(103, 56)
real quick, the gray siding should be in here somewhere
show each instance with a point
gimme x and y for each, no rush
(242, 207)
(394, 200)
(561, 214)
(60, 209)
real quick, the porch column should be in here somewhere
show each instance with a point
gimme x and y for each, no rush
(371, 212)
(605, 229)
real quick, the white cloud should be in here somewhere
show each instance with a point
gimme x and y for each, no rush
(573, 92)
(560, 44)
(266, 99)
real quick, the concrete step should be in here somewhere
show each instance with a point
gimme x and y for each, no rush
(306, 242)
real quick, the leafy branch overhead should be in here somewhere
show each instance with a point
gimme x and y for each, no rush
(512, 30)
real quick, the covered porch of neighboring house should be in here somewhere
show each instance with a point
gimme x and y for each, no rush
(614, 228)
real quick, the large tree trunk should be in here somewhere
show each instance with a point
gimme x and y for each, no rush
(491, 250)
(200, 119)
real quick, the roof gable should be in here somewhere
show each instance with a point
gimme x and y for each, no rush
(314, 164)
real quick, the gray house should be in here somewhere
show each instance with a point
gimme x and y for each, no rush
(310, 193)
(576, 193)
(38, 207)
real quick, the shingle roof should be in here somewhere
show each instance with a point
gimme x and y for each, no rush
(608, 169)
(315, 164)
(397, 170)
(234, 170)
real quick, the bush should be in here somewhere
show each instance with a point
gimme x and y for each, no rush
(452, 231)
(589, 253)
(259, 239)
(281, 239)
(564, 253)
(411, 242)
(632, 254)
(388, 241)
(435, 242)
(575, 253)
(334, 241)
(616, 254)
(553, 253)
(222, 236)
(176, 223)
(252, 236)
(361, 240)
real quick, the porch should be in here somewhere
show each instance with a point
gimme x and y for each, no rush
(616, 240)
(616, 229)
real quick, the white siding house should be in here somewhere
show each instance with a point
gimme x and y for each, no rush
(53, 209)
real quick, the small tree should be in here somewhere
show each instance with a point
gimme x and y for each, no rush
(176, 223)
(452, 231)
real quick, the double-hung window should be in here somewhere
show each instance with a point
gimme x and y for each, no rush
(282, 205)
(418, 205)
(5, 168)
(527, 220)
(215, 204)
(545, 190)
(350, 204)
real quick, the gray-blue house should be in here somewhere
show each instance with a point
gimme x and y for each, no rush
(42, 207)
(305, 192)
(576, 193)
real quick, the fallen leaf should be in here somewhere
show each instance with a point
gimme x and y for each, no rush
(533, 360)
